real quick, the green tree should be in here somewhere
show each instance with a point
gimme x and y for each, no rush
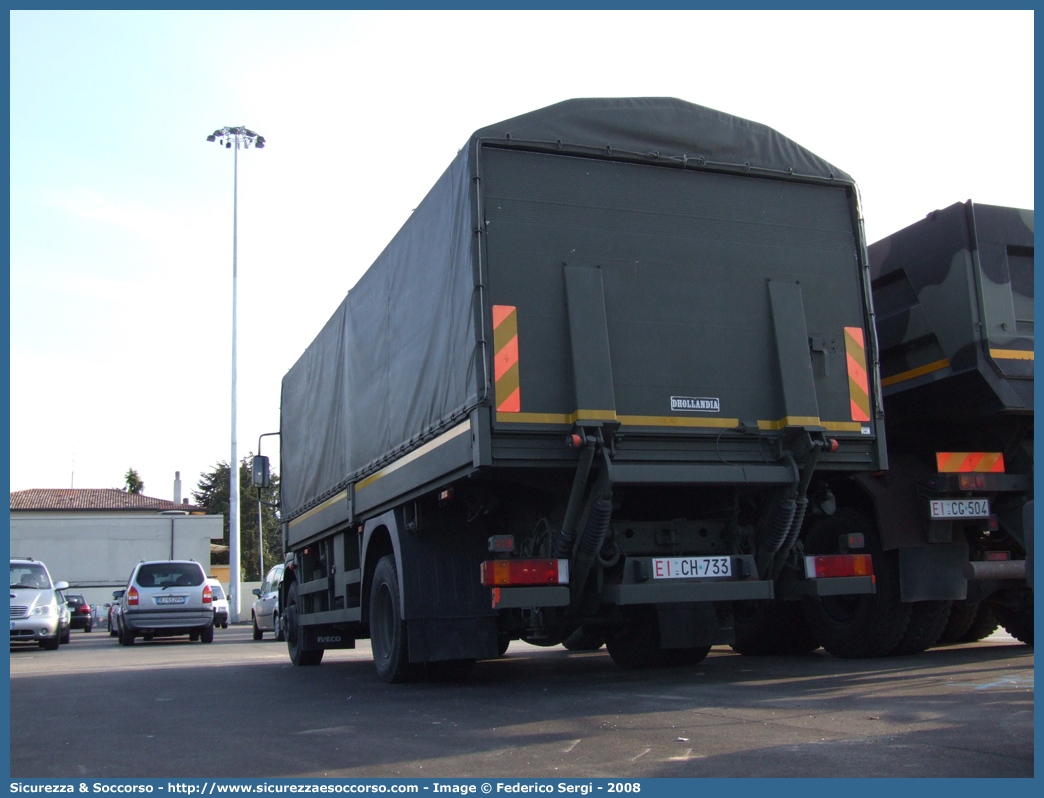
(132, 482)
(212, 494)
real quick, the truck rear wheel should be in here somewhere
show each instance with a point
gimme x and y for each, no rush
(294, 642)
(983, 625)
(962, 614)
(584, 640)
(387, 628)
(685, 656)
(868, 625)
(927, 621)
(1017, 623)
(764, 629)
(503, 641)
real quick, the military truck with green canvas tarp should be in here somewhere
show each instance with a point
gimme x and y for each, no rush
(610, 382)
(954, 300)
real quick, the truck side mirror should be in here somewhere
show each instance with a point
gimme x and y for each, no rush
(259, 472)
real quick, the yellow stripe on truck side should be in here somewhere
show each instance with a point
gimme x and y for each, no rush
(1011, 354)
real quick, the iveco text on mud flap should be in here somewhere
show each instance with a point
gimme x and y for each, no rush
(479, 447)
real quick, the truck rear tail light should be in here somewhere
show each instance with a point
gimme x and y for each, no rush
(208, 594)
(132, 596)
(832, 566)
(972, 481)
(998, 555)
(498, 573)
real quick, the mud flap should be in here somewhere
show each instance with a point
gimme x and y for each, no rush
(933, 572)
(438, 639)
(692, 625)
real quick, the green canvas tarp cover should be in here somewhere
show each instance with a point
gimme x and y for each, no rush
(400, 359)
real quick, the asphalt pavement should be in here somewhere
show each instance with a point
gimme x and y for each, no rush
(238, 708)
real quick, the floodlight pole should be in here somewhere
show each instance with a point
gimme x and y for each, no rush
(235, 137)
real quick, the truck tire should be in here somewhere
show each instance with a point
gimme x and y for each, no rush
(1017, 623)
(764, 629)
(298, 655)
(503, 641)
(962, 613)
(387, 628)
(637, 643)
(982, 626)
(206, 634)
(685, 657)
(927, 622)
(868, 625)
(126, 636)
(584, 640)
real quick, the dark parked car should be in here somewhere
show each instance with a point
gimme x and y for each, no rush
(80, 612)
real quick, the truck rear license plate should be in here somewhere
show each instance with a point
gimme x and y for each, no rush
(689, 567)
(170, 599)
(959, 508)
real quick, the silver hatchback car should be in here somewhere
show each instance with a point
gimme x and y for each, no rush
(265, 610)
(37, 605)
(166, 598)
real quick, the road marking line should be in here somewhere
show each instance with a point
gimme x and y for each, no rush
(643, 753)
(684, 757)
(572, 745)
(327, 730)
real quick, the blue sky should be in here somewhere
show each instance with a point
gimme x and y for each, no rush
(121, 212)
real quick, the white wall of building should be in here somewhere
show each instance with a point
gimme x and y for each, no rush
(95, 552)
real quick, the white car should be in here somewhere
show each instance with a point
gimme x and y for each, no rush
(265, 611)
(38, 612)
(220, 602)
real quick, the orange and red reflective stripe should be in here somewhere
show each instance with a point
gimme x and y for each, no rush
(858, 386)
(505, 359)
(961, 462)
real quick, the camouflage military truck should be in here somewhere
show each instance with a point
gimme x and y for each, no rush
(611, 382)
(953, 296)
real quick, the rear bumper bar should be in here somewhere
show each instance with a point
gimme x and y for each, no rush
(675, 592)
(185, 619)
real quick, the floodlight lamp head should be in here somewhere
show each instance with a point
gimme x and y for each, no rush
(210, 138)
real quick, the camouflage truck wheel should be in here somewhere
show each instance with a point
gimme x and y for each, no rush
(962, 613)
(869, 625)
(982, 626)
(584, 640)
(1017, 623)
(927, 622)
